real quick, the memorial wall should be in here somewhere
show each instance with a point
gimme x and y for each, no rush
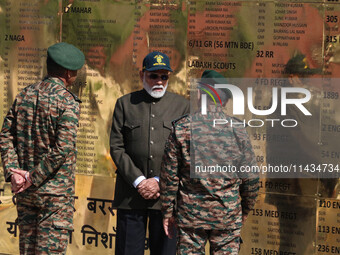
(242, 40)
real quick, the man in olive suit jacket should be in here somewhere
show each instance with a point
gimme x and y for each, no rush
(141, 125)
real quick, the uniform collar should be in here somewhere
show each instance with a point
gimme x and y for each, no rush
(55, 80)
(60, 82)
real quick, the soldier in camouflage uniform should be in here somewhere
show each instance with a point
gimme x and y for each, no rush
(211, 208)
(300, 148)
(38, 152)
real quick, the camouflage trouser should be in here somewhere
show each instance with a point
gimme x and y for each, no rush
(44, 223)
(193, 241)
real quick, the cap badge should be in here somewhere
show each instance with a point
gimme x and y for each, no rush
(159, 59)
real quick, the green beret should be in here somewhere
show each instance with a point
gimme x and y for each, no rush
(212, 74)
(212, 77)
(66, 55)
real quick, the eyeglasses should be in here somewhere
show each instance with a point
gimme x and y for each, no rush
(154, 76)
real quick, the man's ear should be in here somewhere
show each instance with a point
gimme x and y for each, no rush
(141, 75)
(199, 94)
(291, 78)
(225, 103)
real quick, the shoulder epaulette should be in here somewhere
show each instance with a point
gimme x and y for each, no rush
(74, 96)
(178, 119)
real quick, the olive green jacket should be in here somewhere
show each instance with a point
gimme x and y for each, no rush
(141, 125)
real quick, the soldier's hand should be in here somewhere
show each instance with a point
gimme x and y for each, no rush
(27, 182)
(169, 226)
(17, 182)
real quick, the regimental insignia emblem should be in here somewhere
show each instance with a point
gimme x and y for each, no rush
(305, 62)
(159, 58)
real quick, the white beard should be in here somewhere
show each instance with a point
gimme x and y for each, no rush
(153, 93)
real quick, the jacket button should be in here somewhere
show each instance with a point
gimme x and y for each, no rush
(151, 157)
(152, 115)
(151, 142)
(152, 128)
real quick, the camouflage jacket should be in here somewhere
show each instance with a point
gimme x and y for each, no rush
(216, 201)
(39, 135)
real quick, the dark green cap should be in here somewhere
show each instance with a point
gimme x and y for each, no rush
(212, 77)
(66, 55)
(212, 74)
(298, 65)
